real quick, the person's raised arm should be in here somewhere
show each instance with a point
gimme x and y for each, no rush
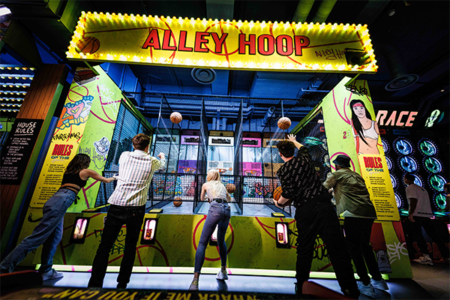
(330, 182)
(159, 164)
(292, 138)
(86, 173)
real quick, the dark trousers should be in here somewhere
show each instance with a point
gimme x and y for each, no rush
(132, 217)
(357, 237)
(319, 218)
(428, 225)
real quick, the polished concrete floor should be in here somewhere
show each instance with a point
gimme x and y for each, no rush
(435, 279)
(401, 289)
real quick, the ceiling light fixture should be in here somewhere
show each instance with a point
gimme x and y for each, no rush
(391, 12)
(4, 11)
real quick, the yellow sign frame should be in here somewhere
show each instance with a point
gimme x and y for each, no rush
(233, 45)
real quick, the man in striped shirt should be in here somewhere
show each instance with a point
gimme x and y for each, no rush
(136, 170)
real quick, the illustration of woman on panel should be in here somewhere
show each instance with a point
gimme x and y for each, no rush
(365, 130)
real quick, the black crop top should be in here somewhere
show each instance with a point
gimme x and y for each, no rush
(74, 179)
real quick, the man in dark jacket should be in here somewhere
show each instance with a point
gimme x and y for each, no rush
(314, 216)
(353, 203)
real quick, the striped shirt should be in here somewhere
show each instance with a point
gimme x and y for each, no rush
(136, 170)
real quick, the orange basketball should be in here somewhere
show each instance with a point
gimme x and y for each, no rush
(88, 45)
(176, 117)
(277, 193)
(177, 201)
(231, 188)
(284, 123)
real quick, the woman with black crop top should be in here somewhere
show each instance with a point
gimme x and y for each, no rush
(50, 229)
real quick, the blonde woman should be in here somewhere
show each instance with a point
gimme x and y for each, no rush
(218, 215)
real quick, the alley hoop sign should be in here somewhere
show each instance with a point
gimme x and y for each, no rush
(219, 44)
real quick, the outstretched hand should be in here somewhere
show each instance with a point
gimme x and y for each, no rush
(292, 138)
(161, 155)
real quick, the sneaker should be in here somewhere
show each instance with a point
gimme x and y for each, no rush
(52, 274)
(354, 294)
(367, 290)
(423, 260)
(383, 262)
(379, 284)
(194, 285)
(222, 275)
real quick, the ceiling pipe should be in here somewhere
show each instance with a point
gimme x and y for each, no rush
(324, 11)
(302, 10)
(268, 115)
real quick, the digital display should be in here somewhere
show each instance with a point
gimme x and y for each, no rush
(427, 148)
(403, 147)
(398, 200)
(394, 181)
(437, 182)
(389, 163)
(408, 164)
(282, 235)
(433, 165)
(440, 201)
(417, 180)
(385, 146)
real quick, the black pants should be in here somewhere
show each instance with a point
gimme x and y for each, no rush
(319, 218)
(357, 237)
(132, 217)
(428, 225)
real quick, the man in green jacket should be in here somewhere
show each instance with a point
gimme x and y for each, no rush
(354, 204)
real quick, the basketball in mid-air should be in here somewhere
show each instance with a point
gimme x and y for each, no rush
(231, 188)
(176, 117)
(284, 123)
(277, 193)
(88, 44)
(177, 201)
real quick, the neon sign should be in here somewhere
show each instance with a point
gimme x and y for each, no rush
(393, 120)
(254, 45)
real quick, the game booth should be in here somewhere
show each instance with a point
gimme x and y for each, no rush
(98, 120)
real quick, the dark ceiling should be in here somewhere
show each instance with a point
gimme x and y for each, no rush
(414, 40)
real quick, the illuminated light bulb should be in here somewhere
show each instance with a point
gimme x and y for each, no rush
(239, 24)
(204, 22)
(122, 57)
(225, 63)
(251, 64)
(264, 65)
(192, 21)
(310, 26)
(277, 65)
(263, 24)
(358, 27)
(315, 66)
(136, 58)
(176, 60)
(275, 25)
(89, 13)
(180, 20)
(201, 62)
(251, 25)
(287, 25)
(188, 61)
(149, 59)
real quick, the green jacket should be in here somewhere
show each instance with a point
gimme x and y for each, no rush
(351, 193)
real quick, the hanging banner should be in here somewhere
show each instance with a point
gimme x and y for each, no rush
(352, 130)
(86, 125)
(184, 42)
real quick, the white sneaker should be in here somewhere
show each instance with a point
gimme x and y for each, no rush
(379, 284)
(366, 289)
(383, 262)
(222, 275)
(52, 274)
(423, 260)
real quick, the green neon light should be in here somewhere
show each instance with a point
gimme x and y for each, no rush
(184, 270)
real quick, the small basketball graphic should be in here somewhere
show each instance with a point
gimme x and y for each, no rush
(177, 201)
(231, 188)
(284, 123)
(176, 117)
(277, 193)
(89, 44)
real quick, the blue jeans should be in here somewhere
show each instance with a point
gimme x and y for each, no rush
(48, 233)
(218, 214)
